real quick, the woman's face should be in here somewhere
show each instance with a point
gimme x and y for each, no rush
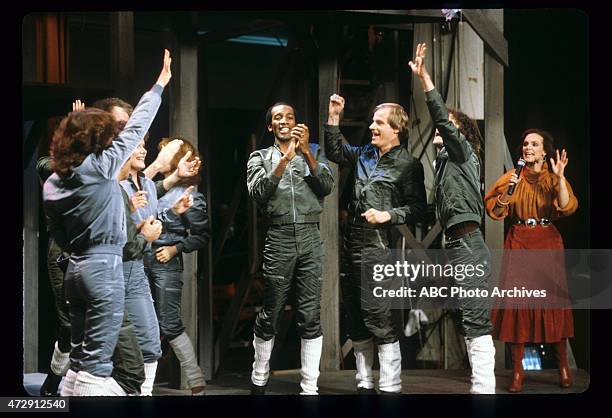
(533, 148)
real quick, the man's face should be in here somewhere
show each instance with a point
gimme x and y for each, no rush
(119, 114)
(137, 160)
(383, 135)
(283, 119)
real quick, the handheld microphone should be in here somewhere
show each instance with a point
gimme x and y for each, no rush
(519, 167)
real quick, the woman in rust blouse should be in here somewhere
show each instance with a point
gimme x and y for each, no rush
(541, 195)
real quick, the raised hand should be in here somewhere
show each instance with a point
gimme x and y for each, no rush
(336, 105)
(374, 216)
(558, 167)
(184, 202)
(514, 179)
(138, 200)
(78, 106)
(290, 154)
(301, 135)
(166, 74)
(418, 65)
(188, 168)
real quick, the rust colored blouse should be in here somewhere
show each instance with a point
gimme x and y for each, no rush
(534, 197)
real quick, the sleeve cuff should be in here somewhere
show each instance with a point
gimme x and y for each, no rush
(393, 214)
(432, 95)
(157, 89)
(273, 179)
(331, 128)
(179, 247)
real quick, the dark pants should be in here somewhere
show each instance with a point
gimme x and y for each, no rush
(56, 278)
(474, 316)
(367, 317)
(167, 282)
(127, 359)
(293, 256)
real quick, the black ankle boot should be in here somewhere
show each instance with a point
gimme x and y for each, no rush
(258, 390)
(50, 385)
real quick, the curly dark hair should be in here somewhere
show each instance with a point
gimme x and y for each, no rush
(549, 143)
(469, 128)
(79, 134)
(186, 147)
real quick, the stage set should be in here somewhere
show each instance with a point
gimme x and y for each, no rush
(503, 68)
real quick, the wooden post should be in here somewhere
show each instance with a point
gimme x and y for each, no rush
(330, 294)
(31, 193)
(494, 146)
(122, 54)
(184, 122)
(205, 292)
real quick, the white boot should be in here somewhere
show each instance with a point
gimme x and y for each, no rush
(481, 353)
(146, 389)
(60, 362)
(68, 383)
(87, 384)
(390, 358)
(311, 356)
(364, 359)
(184, 352)
(261, 364)
(113, 388)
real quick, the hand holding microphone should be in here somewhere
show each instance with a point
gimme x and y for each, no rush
(515, 179)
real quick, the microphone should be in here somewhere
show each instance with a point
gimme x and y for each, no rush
(519, 167)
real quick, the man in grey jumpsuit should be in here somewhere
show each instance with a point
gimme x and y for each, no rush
(289, 181)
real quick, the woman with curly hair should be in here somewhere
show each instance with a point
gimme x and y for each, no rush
(164, 263)
(85, 215)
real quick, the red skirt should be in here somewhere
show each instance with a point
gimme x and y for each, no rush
(539, 324)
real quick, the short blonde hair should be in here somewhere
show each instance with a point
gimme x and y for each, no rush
(398, 118)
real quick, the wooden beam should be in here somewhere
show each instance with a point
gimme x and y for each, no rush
(122, 53)
(489, 31)
(31, 197)
(184, 122)
(330, 294)
(429, 13)
(206, 264)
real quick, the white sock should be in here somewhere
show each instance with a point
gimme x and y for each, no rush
(364, 359)
(390, 358)
(481, 353)
(184, 352)
(261, 364)
(113, 388)
(60, 362)
(68, 383)
(311, 357)
(146, 389)
(87, 384)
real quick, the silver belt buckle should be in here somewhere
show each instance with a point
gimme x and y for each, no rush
(544, 222)
(531, 222)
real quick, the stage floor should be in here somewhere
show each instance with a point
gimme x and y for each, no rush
(286, 382)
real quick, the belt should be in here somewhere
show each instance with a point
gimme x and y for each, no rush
(299, 219)
(460, 229)
(532, 222)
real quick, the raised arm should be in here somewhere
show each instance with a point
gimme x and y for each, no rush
(112, 159)
(343, 154)
(455, 142)
(261, 185)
